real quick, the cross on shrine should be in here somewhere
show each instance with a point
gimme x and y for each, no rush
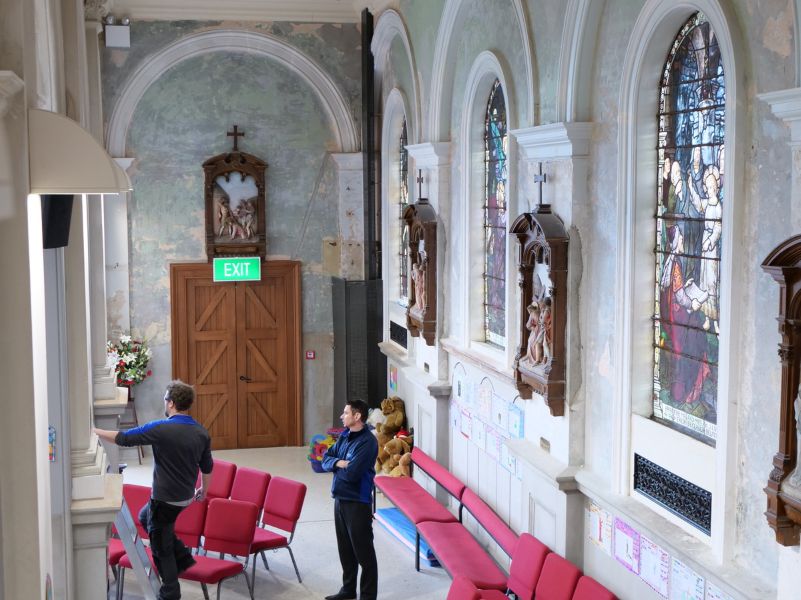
(419, 183)
(540, 178)
(236, 134)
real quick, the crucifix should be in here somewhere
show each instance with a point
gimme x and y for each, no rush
(540, 178)
(236, 134)
(419, 183)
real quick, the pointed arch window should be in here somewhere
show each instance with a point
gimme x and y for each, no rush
(403, 202)
(689, 230)
(495, 217)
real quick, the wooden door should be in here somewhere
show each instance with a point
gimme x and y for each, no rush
(239, 344)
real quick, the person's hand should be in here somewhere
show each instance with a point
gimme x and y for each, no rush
(342, 464)
(200, 495)
(696, 304)
(689, 282)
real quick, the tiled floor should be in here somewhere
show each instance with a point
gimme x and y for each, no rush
(314, 544)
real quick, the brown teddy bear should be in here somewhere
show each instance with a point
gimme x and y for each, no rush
(394, 416)
(386, 456)
(403, 468)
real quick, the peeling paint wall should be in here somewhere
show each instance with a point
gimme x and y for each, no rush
(181, 121)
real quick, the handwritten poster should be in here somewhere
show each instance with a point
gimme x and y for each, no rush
(393, 378)
(627, 546)
(484, 400)
(478, 433)
(600, 528)
(466, 424)
(685, 584)
(508, 460)
(459, 385)
(456, 415)
(713, 592)
(654, 566)
(494, 442)
(515, 421)
(500, 413)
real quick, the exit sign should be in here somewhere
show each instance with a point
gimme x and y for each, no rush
(237, 269)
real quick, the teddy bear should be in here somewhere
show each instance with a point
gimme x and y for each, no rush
(394, 447)
(394, 416)
(403, 468)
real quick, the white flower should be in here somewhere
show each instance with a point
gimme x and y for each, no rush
(125, 339)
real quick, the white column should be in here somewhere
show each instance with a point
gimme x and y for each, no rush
(24, 471)
(351, 214)
(88, 458)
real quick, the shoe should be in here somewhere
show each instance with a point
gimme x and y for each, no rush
(341, 596)
(185, 564)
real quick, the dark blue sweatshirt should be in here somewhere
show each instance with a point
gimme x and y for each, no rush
(355, 482)
(180, 446)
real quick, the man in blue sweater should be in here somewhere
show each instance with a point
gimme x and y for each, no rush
(181, 446)
(352, 460)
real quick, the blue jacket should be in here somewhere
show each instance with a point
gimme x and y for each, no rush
(355, 482)
(180, 446)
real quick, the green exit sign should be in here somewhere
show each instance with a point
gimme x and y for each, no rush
(237, 269)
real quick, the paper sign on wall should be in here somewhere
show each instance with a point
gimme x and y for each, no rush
(713, 592)
(654, 566)
(479, 433)
(685, 584)
(600, 528)
(508, 460)
(627, 546)
(500, 413)
(515, 417)
(493, 444)
(466, 424)
(393, 378)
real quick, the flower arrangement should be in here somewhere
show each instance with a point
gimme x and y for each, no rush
(129, 358)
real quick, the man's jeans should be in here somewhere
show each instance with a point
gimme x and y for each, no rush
(159, 520)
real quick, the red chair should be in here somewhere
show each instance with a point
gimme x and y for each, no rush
(463, 589)
(527, 561)
(222, 479)
(250, 485)
(136, 496)
(188, 527)
(189, 524)
(558, 579)
(228, 530)
(589, 589)
(282, 506)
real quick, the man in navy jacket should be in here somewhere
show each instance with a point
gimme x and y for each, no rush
(352, 460)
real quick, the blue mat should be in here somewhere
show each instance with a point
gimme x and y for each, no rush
(392, 520)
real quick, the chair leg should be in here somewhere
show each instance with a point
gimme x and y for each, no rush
(250, 584)
(219, 589)
(264, 560)
(120, 583)
(205, 591)
(294, 564)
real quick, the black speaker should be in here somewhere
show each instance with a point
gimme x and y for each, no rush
(56, 217)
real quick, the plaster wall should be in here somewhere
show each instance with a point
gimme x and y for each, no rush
(285, 125)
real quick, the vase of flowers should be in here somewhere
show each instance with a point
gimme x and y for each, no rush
(130, 358)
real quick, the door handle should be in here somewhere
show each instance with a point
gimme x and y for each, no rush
(244, 378)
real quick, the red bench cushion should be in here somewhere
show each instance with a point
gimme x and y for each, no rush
(463, 589)
(413, 500)
(438, 473)
(460, 554)
(589, 589)
(490, 521)
(526, 566)
(558, 579)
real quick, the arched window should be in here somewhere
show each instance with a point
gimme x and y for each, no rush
(403, 202)
(495, 217)
(689, 227)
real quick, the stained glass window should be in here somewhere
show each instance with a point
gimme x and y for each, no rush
(495, 200)
(403, 202)
(689, 228)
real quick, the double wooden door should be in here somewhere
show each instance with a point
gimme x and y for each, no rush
(238, 344)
